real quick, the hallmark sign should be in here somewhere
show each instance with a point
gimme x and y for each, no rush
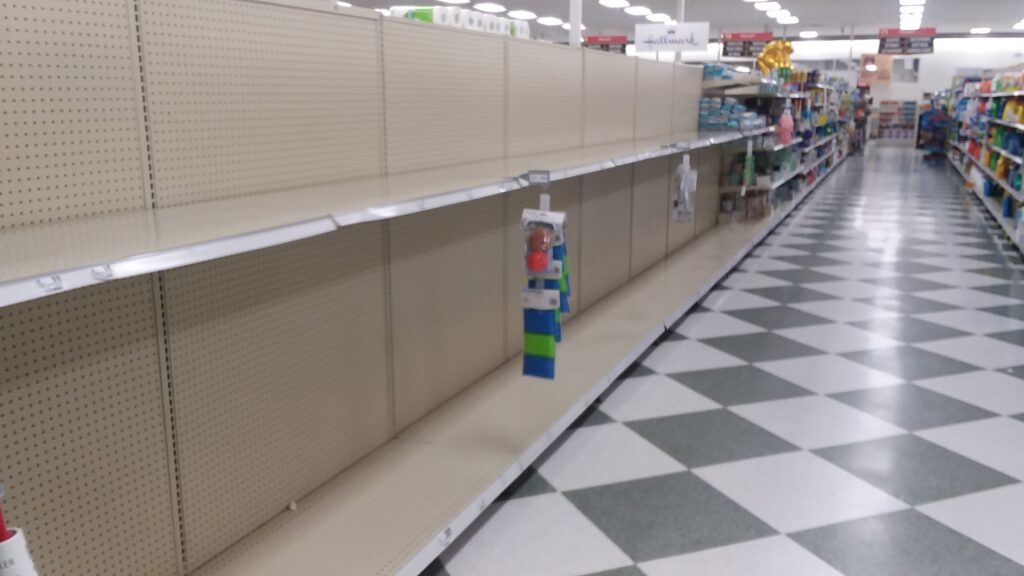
(688, 37)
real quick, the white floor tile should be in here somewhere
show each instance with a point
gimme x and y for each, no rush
(973, 321)
(828, 374)
(995, 442)
(855, 256)
(852, 289)
(726, 300)
(968, 298)
(993, 391)
(993, 517)
(652, 397)
(856, 271)
(779, 251)
(752, 280)
(604, 454)
(798, 491)
(954, 250)
(961, 278)
(844, 310)
(714, 324)
(775, 556)
(954, 262)
(766, 265)
(688, 356)
(788, 240)
(978, 350)
(537, 535)
(816, 422)
(838, 338)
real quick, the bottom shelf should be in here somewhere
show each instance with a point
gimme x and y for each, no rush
(992, 205)
(399, 508)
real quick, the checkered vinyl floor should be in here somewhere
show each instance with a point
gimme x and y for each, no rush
(850, 401)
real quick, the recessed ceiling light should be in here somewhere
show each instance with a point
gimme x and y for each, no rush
(521, 15)
(910, 21)
(910, 25)
(911, 9)
(808, 34)
(637, 10)
(912, 2)
(981, 30)
(788, 20)
(568, 26)
(613, 3)
(343, 4)
(489, 7)
(871, 67)
(743, 69)
(549, 21)
(456, 1)
(1019, 25)
(383, 11)
(766, 6)
(659, 17)
(777, 13)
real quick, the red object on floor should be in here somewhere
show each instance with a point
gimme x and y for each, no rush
(5, 534)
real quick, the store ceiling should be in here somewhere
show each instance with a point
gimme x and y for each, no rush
(828, 17)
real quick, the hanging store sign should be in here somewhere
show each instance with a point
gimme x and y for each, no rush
(745, 44)
(896, 41)
(687, 37)
(607, 43)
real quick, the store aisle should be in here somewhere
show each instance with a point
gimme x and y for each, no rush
(849, 402)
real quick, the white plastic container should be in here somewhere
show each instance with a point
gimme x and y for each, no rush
(14, 558)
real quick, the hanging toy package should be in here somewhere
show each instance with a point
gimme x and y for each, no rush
(14, 557)
(686, 188)
(546, 296)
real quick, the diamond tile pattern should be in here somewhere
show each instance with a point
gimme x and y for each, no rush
(849, 402)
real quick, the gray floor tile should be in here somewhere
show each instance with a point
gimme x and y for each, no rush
(435, 569)
(1001, 258)
(908, 304)
(592, 416)
(1013, 337)
(1020, 417)
(666, 516)
(912, 407)
(909, 284)
(1015, 311)
(909, 330)
(821, 248)
(905, 543)
(812, 260)
(739, 385)
(1013, 290)
(711, 437)
(636, 370)
(1000, 272)
(761, 347)
(802, 276)
(916, 470)
(791, 294)
(529, 483)
(910, 363)
(911, 267)
(627, 571)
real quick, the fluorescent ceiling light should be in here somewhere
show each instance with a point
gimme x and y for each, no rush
(1019, 25)
(568, 26)
(766, 6)
(788, 20)
(489, 7)
(871, 67)
(343, 4)
(808, 34)
(981, 30)
(549, 21)
(911, 17)
(659, 17)
(522, 15)
(743, 69)
(613, 3)
(777, 13)
(911, 9)
(637, 10)
(910, 26)
(383, 11)
(912, 2)
(456, 1)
